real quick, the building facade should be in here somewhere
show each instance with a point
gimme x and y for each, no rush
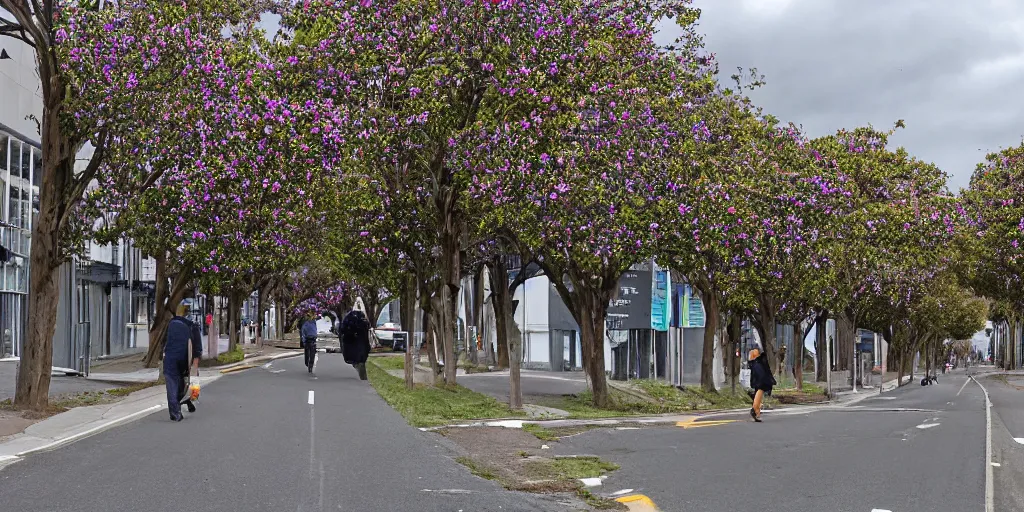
(106, 294)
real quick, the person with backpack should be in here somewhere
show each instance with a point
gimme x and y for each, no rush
(307, 335)
(355, 338)
(761, 380)
(183, 347)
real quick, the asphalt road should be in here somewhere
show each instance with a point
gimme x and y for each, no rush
(533, 383)
(1007, 396)
(867, 457)
(257, 444)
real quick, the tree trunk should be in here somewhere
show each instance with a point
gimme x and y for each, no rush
(430, 345)
(591, 318)
(234, 312)
(707, 360)
(260, 303)
(445, 327)
(845, 332)
(166, 310)
(478, 315)
(734, 330)
(408, 314)
(279, 317)
(820, 342)
(57, 175)
(501, 299)
(515, 352)
(798, 368)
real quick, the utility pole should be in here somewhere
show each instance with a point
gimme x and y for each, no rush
(828, 360)
(853, 362)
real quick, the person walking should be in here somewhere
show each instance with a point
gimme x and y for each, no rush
(182, 349)
(308, 338)
(761, 380)
(355, 338)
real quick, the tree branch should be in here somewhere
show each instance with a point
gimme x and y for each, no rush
(15, 31)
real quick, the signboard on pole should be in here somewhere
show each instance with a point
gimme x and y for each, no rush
(661, 313)
(631, 308)
(691, 309)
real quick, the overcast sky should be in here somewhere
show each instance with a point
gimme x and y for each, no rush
(953, 69)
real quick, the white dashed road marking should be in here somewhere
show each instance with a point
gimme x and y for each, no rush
(962, 387)
(1020, 440)
(310, 397)
(880, 510)
(927, 425)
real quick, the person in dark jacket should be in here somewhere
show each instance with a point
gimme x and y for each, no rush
(761, 380)
(308, 338)
(182, 350)
(355, 338)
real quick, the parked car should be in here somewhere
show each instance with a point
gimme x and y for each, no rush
(386, 333)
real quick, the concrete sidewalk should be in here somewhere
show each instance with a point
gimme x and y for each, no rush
(151, 374)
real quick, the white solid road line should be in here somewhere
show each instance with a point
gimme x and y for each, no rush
(310, 397)
(989, 489)
(1020, 440)
(962, 387)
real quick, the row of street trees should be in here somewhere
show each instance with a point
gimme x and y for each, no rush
(391, 148)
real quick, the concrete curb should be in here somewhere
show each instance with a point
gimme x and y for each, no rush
(92, 431)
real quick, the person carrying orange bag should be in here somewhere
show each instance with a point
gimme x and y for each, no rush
(182, 349)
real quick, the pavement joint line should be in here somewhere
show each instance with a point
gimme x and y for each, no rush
(95, 430)
(989, 486)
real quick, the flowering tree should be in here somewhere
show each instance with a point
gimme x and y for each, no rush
(995, 204)
(792, 203)
(105, 75)
(576, 177)
(892, 236)
(241, 198)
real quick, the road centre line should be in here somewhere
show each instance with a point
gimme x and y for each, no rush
(989, 489)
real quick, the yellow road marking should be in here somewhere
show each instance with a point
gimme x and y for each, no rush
(699, 424)
(638, 503)
(238, 368)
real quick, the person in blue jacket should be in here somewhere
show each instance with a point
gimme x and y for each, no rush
(183, 343)
(307, 335)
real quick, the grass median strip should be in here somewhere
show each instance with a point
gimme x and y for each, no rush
(644, 398)
(519, 461)
(429, 406)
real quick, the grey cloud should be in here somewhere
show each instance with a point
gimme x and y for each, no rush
(952, 69)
